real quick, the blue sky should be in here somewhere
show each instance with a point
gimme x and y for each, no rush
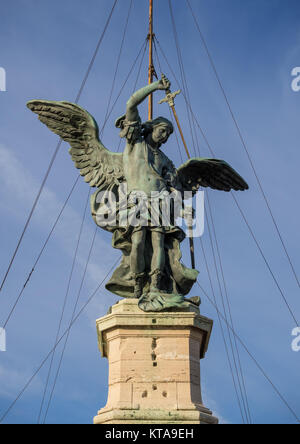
(45, 49)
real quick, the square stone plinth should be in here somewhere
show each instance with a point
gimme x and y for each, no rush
(154, 365)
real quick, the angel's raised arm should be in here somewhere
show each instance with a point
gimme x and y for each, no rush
(139, 96)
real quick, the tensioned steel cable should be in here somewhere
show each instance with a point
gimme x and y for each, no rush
(171, 115)
(81, 311)
(182, 73)
(58, 342)
(140, 69)
(41, 253)
(243, 143)
(121, 89)
(118, 60)
(186, 92)
(221, 326)
(72, 318)
(235, 200)
(82, 281)
(249, 228)
(57, 148)
(229, 307)
(231, 344)
(31, 213)
(51, 232)
(265, 260)
(183, 94)
(245, 219)
(222, 332)
(96, 52)
(57, 335)
(65, 300)
(47, 409)
(253, 358)
(57, 373)
(135, 84)
(176, 135)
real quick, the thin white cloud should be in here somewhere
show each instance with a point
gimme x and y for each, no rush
(18, 190)
(212, 405)
(10, 379)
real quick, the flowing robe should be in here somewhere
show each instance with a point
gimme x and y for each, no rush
(146, 171)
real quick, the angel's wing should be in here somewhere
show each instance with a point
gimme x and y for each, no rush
(99, 166)
(213, 173)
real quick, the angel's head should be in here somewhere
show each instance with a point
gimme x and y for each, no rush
(158, 130)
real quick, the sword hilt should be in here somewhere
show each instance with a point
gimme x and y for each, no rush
(170, 97)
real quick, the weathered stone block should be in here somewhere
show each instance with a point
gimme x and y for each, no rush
(154, 368)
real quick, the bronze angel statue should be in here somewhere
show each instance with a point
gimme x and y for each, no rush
(151, 268)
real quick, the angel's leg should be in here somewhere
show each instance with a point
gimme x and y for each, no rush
(158, 259)
(137, 260)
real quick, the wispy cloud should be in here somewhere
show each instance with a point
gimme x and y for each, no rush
(211, 404)
(11, 378)
(18, 190)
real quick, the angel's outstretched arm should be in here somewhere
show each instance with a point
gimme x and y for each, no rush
(139, 96)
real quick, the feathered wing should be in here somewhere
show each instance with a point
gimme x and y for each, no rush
(213, 173)
(100, 167)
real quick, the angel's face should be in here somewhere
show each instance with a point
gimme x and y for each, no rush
(161, 133)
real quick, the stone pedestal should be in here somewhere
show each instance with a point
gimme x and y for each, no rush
(154, 365)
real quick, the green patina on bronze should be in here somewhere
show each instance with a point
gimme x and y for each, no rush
(151, 267)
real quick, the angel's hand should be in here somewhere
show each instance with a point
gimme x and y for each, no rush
(164, 83)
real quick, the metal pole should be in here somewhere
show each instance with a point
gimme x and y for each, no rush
(170, 100)
(150, 72)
